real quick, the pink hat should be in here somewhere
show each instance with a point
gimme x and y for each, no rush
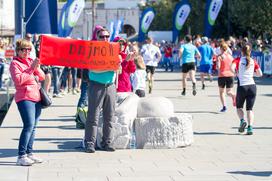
(96, 29)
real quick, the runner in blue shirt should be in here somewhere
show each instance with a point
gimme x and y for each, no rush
(187, 53)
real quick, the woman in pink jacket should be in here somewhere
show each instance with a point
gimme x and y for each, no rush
(24, 71)
(128, 66)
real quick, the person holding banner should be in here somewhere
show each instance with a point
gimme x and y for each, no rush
(187, 53)
(246, 90)
(151, 55)
(128, 66)
(102, 95)
(24, 72)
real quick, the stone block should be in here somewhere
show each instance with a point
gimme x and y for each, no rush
(161, 132)
(155, 107)
(125, 114)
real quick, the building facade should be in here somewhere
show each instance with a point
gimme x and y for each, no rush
(6, 18)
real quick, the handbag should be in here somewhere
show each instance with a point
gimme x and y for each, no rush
(45, 99)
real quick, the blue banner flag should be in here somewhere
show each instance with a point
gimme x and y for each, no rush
(69, 15)
(212, 10)
(40, 16)
(181, 13)
(145, 22)
(111, 29)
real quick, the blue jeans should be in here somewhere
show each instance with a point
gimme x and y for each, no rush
(1, 73)
(83, 100)
(30, 113)
(56, 77)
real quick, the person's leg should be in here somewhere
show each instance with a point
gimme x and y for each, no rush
(38, 111)
(202, 78)
(222, 96)
(184, 83)
(250, 100)
(82, 102)
(96, 94)
(108, 116)
(240, 99)
(55, 74)
(232, 95)
(74, 78)
(27, 111)
(47, 82)
(1, 74)
(192, 76)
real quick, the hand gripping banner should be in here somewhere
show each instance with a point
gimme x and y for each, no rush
(93, 55)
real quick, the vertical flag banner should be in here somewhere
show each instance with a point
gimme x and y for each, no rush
(40, 16)
(111, 29)
(118, 27)
(69, 15)
(180, 15)
(145, 22)
(212, 10)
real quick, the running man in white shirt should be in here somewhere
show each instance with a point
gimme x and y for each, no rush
(151, 55)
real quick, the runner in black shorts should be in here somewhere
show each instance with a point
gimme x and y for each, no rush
(246, 90)
(246, 93)
(225, 82)
(186, 67)
(150, 69)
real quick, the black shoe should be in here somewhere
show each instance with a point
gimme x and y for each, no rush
(183, 93)
(89, 147)
(203, 86)
(107, 148)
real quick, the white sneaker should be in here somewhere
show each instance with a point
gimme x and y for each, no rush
(34, 158)
(57, 95)
(24, 161)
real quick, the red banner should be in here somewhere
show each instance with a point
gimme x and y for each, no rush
(9, 53)
(93, 55)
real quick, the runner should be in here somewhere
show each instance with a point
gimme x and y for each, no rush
(188, 52)
(152, 56)
(246, 90)
(225, 77)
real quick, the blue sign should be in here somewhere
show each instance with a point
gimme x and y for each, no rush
(180, 15)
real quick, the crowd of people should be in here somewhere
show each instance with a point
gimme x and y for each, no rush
(98, 89)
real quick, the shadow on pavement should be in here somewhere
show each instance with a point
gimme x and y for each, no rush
(268, 95)
(214, 133)
(63, 105)
(255, 127)
(200, 112)
(64, 145)
(72, 118)
(258, 174)
(68, 127)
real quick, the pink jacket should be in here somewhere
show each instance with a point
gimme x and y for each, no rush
(22, 75)
(128, 67)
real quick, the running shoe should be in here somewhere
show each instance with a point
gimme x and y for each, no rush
(249, 130)
(224, 109)
(194, 89)
(243, 125)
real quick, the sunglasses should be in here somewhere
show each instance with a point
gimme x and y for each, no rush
(104, 36)
(25, 49)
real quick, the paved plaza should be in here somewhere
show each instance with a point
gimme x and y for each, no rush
(218, 153)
